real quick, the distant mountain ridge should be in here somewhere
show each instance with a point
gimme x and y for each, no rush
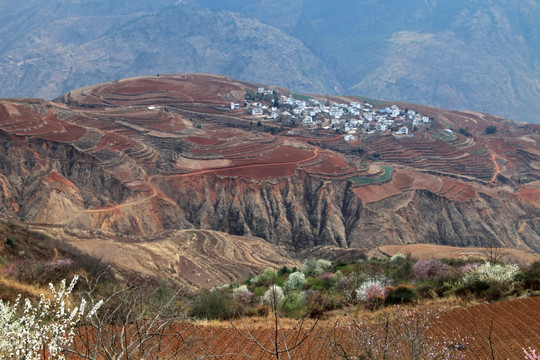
(482, 56)
(66, 48)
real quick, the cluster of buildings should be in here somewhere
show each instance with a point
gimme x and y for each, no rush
(350, 119)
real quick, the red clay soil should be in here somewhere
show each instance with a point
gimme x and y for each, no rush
(467, 193)
(328, 163)
(282, 154)
(430, 251)
(260, 172)
(54, 177)
(513, 325)
(116, 142)
(174, 90)
(373, 193)
(202, 140)
(402, 180)
(530, 195)
(69, 134)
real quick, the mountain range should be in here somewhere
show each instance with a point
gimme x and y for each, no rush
(482, 56)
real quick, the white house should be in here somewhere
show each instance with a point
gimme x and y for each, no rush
(336, 121)
(336, 112)
(308, 121)
(402, 131)
(260, 90)
(257, 111)
(348, 137)
(425, 119)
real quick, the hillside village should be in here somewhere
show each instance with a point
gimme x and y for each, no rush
(353, 119)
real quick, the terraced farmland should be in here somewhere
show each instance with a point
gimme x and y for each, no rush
(167, 153)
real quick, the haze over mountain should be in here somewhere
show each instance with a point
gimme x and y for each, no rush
(57, 46)
(483, 56)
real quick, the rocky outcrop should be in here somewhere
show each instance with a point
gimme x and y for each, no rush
(303, 212)
(44, 180)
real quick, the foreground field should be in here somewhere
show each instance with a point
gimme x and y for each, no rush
(494, 331)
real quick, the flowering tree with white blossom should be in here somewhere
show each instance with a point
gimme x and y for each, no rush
(43, 330)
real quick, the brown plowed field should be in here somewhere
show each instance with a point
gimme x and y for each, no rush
(430, 251)
(373, 193)
(171, 90)
(513, 325)
(402, 180)
(530, 195)
(260, 172)
(202, 140)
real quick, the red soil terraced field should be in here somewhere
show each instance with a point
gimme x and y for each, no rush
(194, 91)
(140, 138)
(406, 179)
(329, 164)
(194, 258)
(373, 193)
(425, 152)
(35, 120)
(203, 140)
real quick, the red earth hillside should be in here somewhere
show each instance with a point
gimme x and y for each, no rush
(168, 152)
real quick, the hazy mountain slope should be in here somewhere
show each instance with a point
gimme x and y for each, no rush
(51, 48)
(483, 56)
(39, 40)
(461, 54)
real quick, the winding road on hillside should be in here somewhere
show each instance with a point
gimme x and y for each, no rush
(497, 168)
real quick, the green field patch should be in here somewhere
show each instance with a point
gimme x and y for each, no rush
(479, 152)
(445, 135)
(366, 180)
(302, 97)
(381, 103)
